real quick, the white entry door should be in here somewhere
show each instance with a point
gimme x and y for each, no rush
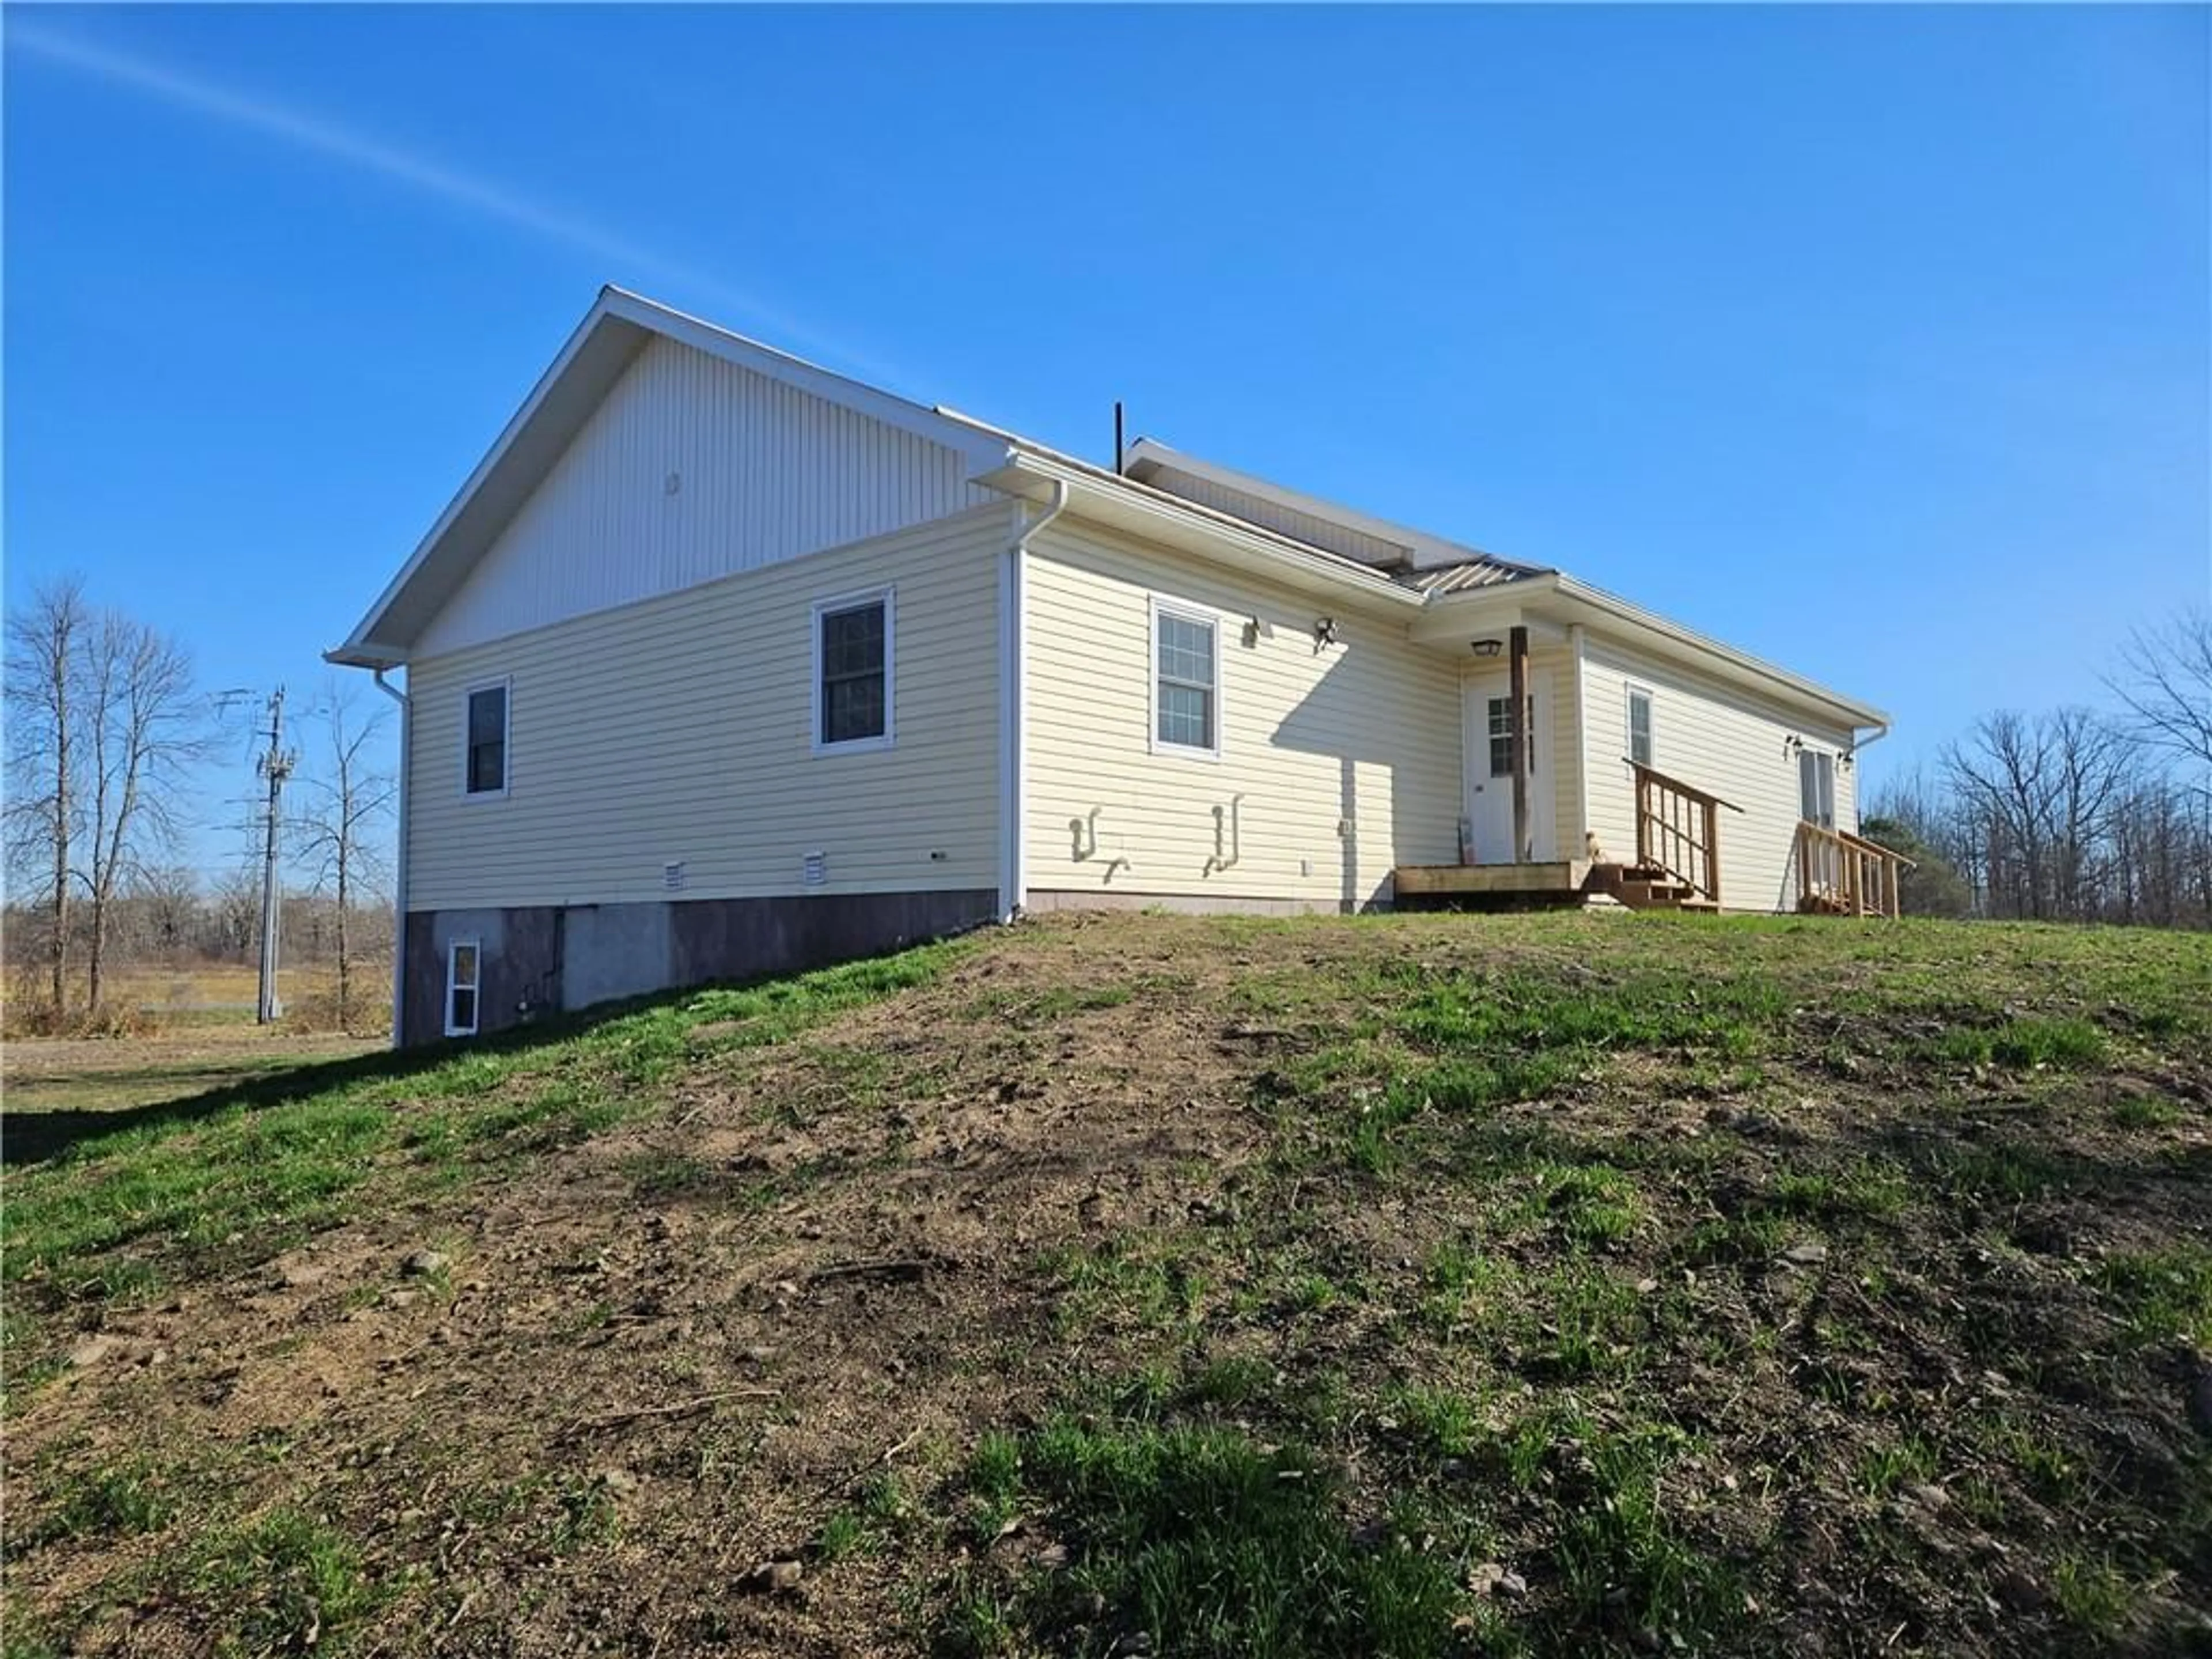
(1489, 770)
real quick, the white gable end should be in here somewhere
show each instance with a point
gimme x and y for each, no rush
(692, 469)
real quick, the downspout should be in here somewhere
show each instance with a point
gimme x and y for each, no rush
(1858, 743)
(1579, 641)
(1013, 694)
(399, 869)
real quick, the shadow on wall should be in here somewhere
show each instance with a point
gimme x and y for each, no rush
(1084, 832)
(1339, 718)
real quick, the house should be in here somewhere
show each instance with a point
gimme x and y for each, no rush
(720, 664)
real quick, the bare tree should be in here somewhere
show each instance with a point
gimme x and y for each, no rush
(233, 922)
(349, 797)
(2092, 761)
(43, 640)
(2001, 772)
(2165, 679)
(143, 729)
(166, 897)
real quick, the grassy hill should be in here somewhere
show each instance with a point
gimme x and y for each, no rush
(1548, 1285)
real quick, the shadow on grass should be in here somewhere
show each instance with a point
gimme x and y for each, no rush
(39, 1137)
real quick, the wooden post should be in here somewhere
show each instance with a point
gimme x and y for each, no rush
(1712, 852)
(1517, 649)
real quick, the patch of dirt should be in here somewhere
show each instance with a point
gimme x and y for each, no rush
(810, 1276)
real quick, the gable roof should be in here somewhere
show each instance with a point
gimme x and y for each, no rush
(1211, 511)
(619, 326)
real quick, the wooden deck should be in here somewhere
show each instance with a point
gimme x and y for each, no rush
(1567, 882)
(1522, 886)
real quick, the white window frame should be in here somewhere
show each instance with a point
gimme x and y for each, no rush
(1630, 692)
(453, 949)
(505, 683)
(1181, 611)
(887, 596)
(1484, 698)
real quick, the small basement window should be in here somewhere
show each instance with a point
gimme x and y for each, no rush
(1640, 725)
(463, 980)
(485, 763)
(1187, 682)
(852, 672)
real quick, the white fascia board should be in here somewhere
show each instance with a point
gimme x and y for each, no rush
(356, 649)
(640, 318)
(1740, 665)
(1220, 536)
(1453, 615)
(1430, 549)
(364, 656)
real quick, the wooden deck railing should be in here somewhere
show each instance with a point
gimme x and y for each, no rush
(1678, 831)
(1841, 874)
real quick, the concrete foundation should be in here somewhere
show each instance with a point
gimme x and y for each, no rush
(1041, 902)
(541, 958)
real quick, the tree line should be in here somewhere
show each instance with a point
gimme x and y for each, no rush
(110, 740)
(2073, 814)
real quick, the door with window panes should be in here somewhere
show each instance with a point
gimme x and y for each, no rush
(1489, 772)
(1816, 787)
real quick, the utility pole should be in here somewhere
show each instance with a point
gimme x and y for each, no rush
(276, 766)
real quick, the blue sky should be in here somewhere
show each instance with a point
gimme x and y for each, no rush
(1878, 342)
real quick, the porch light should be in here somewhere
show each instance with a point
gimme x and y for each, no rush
(1488, 647)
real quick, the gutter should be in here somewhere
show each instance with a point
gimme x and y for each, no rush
(1860, 715)
(1709, 656)
(399, 865)
(1271, 553)
(1013, 699)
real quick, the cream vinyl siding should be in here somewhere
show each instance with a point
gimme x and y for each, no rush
(1714, 738)
(679, 730)
(1367, 732)
(762, 471)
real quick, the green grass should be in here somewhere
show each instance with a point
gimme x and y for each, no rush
(1649, 1009)
(2065, 1042)
(2142, 1112)
(2092, 1596)
(284, 1583)
(111, 1501)
(2165, 1294)
(1206, 1543)
(842, 1534)
(1464, 1244)
(1442, 1420)
(1885, 1468)
(121, 1214)
(995, 1481)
